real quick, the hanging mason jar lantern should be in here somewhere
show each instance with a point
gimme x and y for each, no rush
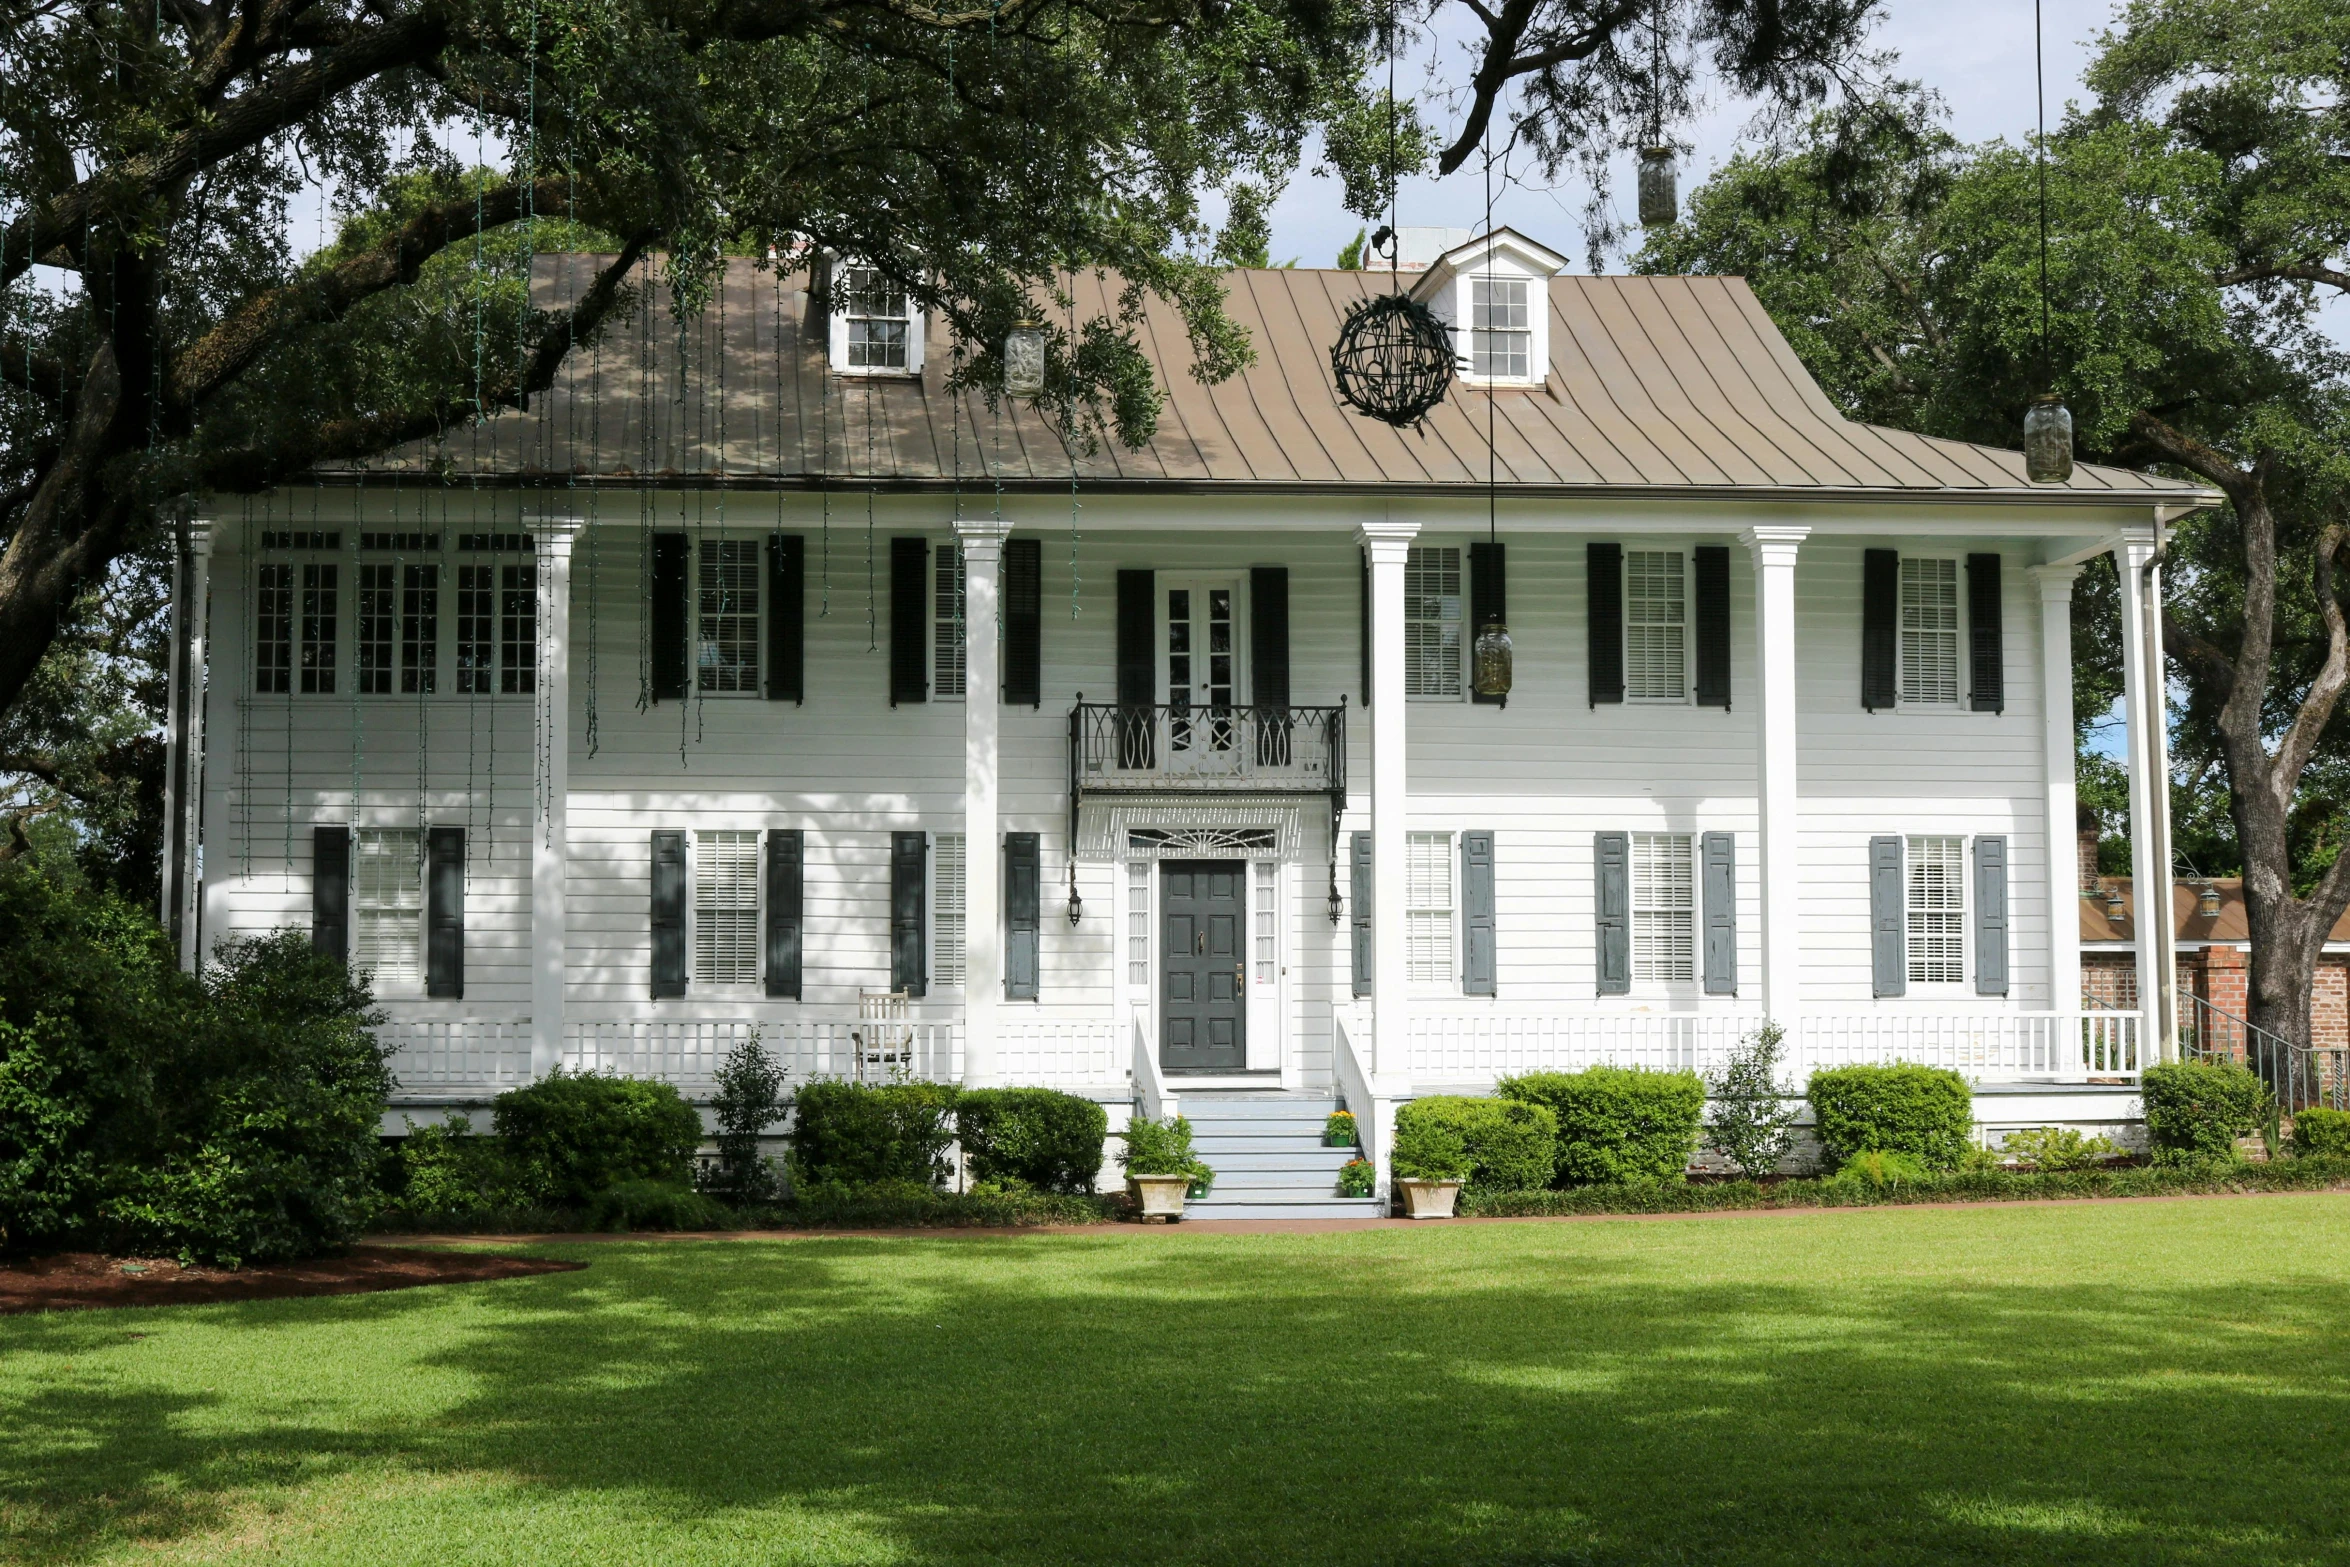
(1024, 359)
(1490, 666)
(2048, 440)
(1660, 202)
(1393, 359)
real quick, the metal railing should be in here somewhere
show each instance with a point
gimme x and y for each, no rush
(1176, 746)
(2301, 1079)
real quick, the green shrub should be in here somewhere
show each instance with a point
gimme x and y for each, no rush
(857, 1135)
(2321, 1132)
(2199, 1108)
(1491, 1145)
(1051, 1142)
(656, 1205)
(1918, 1110)
(1616, 1123)
(2058, 1148)
(1752, 1122)
(447, 1172)
(1880, 1170)
(1356, 1178)
(1339, 1131)
(748, 1101)
(1164, 1148)
(571, 1135)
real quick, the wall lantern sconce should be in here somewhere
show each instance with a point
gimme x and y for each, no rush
(1337, 904)
(1076, 903)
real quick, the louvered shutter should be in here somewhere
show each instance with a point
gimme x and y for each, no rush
(1611, 857)
(444, 913)
(787, 853)
(909, 955)
(1358, 910)
(668, 915)
(330, 891)
(1489, 603)
(909, 621)
(1606, 568)
(1138, 669)
(1986, 661)
(1023, 914)
(1718, 889)
(1363, 626)
(1268, 624)
(671, 654)
(1024, 622)
(1880, 633)
(1478, 953)
(1991, 915)
(1888, 933)
(1710, 566)
(787, 643)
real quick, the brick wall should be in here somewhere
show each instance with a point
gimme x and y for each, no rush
(2222, 977)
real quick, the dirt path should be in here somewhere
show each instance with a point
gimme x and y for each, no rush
(84, 1279)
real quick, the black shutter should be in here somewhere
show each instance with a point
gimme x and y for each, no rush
(1611, 855)
(909, 954)
(909, 621)
(1268, 625)
(1986, 661)
(330, 891)
(1607, 622)
(1888, 924)
(787, 593)
(1880, 637)
(1478, 955)
(444, 913)
(1023, 914)
(668, 915)
(1364, 626)
(1138, 665)
(1991, 916)
(1024, 622)
(786, 887)
(1358, 910)
(1718, 876)
(671, 652)
(1489, 604)
(1711, 566)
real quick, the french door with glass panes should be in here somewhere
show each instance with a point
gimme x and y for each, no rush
(1202, 670)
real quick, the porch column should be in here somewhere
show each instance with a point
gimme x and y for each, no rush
(2146, 714)
(1388, 543)
(183, 791)
(550, 846)
(1773, 549)
(2056, 744)
(983, 943)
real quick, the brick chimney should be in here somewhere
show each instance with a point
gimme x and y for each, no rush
(2085, 822)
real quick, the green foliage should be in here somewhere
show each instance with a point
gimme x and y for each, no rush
(2058, 1148)
(1879, 1170)
(1616, 1123)
(655, 1205)
(2321, 1133)
(1356, 1177)
(748, 1101)
(1752, 1121)
(1164, 1148)
(1922, 1111)
(1491, 1145)
(47, 1164)
(1350, 254)
(449, 1174)
(571, 1135)
(857, 1135)
(1048, 1141)
(2199, 1109)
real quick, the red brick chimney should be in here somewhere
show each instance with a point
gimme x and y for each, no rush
(2086, 822)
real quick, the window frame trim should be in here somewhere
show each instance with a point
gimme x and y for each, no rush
(1684, 550)
(415, 989)
(1960, 700)
(1468, 640)
(1676, 989)
(694, 548)
(1963, 985)
(695, 985)
(837, 317)
(930, 908)
(1450, 985)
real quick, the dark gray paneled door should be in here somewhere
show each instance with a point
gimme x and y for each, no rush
(1203, 1012)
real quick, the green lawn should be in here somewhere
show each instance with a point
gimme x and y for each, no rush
(2128, 1382)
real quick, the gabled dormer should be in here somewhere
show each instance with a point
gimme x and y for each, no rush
(1494, 293)
(876, 326)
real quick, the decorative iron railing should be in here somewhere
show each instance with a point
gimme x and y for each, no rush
(1176, 746)
(2300, 1078)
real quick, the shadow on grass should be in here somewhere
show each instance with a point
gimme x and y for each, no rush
(1076, 1399)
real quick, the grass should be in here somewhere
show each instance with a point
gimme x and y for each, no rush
(2108, 1382)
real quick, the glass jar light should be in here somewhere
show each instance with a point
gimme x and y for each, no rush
(1660, 204)
(2048, 440)
(1024, 360)
(1490, 669)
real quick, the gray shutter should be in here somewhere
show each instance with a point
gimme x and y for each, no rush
(1358, 909)
(787, 584)
(1880, 635)
(1024, 622)
(909, 621)
(1489, 597)
(909, 951)
(1888, 922)
(1718, 873)
(1611, 858)
(668, 915)
(330, 891)
(1606, 579)
(671, 654)
(444, 913)
(786, 901)
(1986, 664)
(1991, 916)
(1477, 948)
(1710, 620)
(1023, 914)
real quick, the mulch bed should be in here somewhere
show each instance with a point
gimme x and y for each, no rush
(83, 1279)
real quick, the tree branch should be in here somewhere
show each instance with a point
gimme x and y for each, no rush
(1505, 31)
(2317, 704)
(2292, 272)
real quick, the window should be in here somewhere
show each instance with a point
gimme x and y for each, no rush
(420, 628)
(1929, 630)
(729, 616)
(518, 630)
(1138, 924)
(1656, 626)
(726, 908)
(1937, 908)
(946, 904)
(387, 903)
(318, 627)
(1432, 622)
(946, 624)
(273, 629)
(1664, 908)
(1267, 931)
(376, 598)
(1501, 339)
(879, 321)
(477, 628)
(1427, 906)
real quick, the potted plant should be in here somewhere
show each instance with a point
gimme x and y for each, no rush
(1160, 1169)
(1339, 1130)
(1431, 1161)
(1356, 1177)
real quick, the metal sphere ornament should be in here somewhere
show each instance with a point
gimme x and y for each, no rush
(1393, 359)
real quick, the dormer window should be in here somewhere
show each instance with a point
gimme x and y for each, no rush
(1493, 293)
(1501, 343)
(877, 330)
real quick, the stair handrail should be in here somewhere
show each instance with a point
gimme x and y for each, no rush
(2296, 1074)
(1373, 1102)
(1153, 1099)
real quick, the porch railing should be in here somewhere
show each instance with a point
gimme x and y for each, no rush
(2301, 1079)
(442, 1058)
(1176, 746)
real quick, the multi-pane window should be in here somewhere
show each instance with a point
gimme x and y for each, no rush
(1432, 621)
(273, 629)
(387, 903)
(1929, 630)
(1138, 924)
(477, 628)
(946, 623)
(1664, 908)
(726, 908)
(946, 917)
(1427, 907)
(518, 630)
(318, 626)
(729, 613)
(1267, 932)
(420, 628)
(879, 320)
(378, 594)
(1501, 338)
(1656, 626)
(1937, 910)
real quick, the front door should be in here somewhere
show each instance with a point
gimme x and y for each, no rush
(1203, 909)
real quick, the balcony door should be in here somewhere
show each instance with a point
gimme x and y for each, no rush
(1202, 669)
(1203, 989)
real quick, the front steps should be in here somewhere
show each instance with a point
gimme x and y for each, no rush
(1266, 1150)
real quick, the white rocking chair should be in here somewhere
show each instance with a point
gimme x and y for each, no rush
(883, 1039)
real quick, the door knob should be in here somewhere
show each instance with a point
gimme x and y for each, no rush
(1199, 945)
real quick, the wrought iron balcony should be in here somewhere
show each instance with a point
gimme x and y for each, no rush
(1168, 747)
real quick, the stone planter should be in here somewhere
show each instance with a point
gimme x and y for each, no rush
(1426, 1199)
(1158, 1196)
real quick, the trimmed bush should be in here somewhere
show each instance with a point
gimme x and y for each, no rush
(1923, 1111)
(1491, 1145)
(1049, 1141)
(2197, 1109)
(856, 1135)
(572, 1135)
(1616, 1123)
(2321, 1133)
(1164, 1148)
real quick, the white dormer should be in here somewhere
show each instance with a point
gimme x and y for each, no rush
(876, 326)
(1494, 295)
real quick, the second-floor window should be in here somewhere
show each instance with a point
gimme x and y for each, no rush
(378, 597)
(728, 607)
(273, 628)
(1929, 630)
(946, 624)
(1432, 621)
(880, 321)
(1501, 339)
(420, 628)
(318, 627)
(1656, 626)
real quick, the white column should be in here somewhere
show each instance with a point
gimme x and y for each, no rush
(983, 942)
(2056, 742)
(1388, 544)
(228, 676)
(1773, 549)
(183, 789)
(550, 845)
(2145, 710)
